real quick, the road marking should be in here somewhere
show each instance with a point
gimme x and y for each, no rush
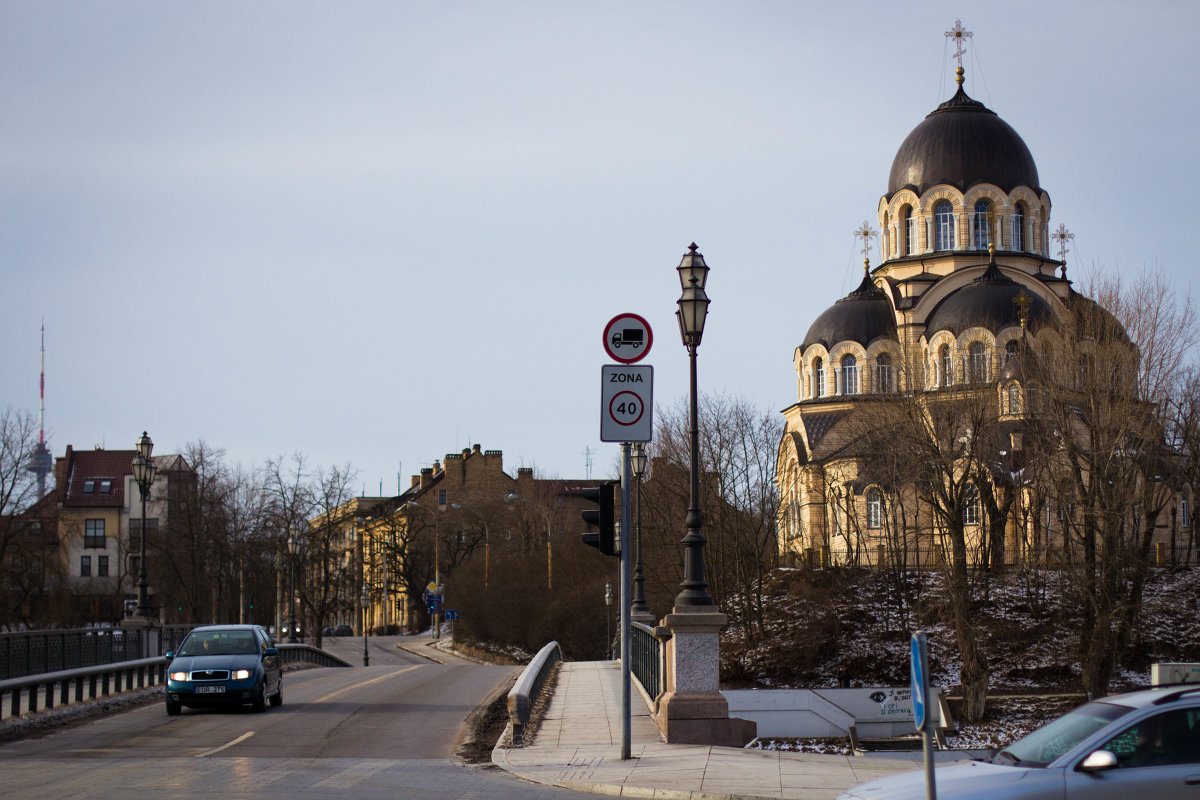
(241, 738)
(344, 689)
(352, 776)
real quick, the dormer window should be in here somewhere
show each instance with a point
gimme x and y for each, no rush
(943, 226)
(105, 487)
(89, 487)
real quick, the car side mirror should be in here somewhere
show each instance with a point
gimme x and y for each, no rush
(271, 651)
(170, 655)
(1098, 762)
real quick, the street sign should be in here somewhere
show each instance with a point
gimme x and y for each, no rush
(627, 338)
(434, 600)
(626, 403)
(918, 661)
(451, 614)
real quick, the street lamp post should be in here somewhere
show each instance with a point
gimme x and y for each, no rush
(639, 609)
(608, 598)
(293, 546)
(143, 474)
(365, 602)
(486, 540)
(693, 308)
(514, 497)
(437, 567)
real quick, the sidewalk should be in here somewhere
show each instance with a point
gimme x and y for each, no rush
(579, 747)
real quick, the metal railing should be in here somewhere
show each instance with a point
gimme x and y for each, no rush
(38, 652)
(524, 694)
(646, 655)
(33, 693)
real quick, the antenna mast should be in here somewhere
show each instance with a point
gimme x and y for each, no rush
(42, 463)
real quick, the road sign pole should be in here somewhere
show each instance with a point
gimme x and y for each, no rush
(626, 652)
(919, 672)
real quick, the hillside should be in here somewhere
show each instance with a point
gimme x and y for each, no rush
(815, 623)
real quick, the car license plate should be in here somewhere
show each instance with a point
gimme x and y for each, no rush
(210, 690)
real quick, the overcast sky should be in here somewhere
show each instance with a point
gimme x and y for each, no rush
(377, 233)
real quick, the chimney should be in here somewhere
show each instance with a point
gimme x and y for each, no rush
(426, 477)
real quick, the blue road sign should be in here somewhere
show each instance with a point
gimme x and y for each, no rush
(918, 663)
(434, 600)
(451, 614)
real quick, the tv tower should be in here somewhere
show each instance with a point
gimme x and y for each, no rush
(42, 463)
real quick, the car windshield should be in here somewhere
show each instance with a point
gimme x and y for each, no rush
(1055, 738)
(219, 643)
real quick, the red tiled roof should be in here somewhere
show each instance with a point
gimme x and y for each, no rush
(97, 466)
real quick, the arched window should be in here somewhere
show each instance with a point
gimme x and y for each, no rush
(943, 226)
(971, 504)
(1010, 349)
(908, 231)
(945, 367)
(882, 381)
(980, 229)
(849, 375)
(1014, 398)
(977, 362)
(1018, 231)
(818, 378)
(874, 508)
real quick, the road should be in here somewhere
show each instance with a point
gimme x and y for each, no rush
(387, 730)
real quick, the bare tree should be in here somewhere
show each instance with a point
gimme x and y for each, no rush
(1101, 428)
(28, 563)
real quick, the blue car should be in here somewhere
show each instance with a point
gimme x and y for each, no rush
(224, 665)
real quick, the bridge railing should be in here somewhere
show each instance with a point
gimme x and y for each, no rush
(525, 692)
(38, 652)
(646, 657)
(32, 693)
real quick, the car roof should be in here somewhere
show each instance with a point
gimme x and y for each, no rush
(1158, 695)
(225, 628)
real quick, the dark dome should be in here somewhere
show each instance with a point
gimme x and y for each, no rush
(963, 143)
(862, 316)
(989, 301)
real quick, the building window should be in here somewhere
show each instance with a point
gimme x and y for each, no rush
(93, 533)
(971, 505)
(883, 373)
(818, 378)
(102, 566)
(1014, 398)
(946, 376)
(849, 375)
(980, 225)
(1185, 516)
(441, 497)
(1018, 227)
(85, 566)
(89, 487)
(977, 363)
(874, 509)
(105, 487)
(943, 226)
(1010, 350)
(908, 231)
(134, 562)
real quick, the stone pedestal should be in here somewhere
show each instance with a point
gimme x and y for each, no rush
(692, 710)
(150, 631)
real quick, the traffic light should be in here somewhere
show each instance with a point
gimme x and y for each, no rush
(603, 518)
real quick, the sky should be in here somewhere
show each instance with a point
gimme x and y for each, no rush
(377, 233)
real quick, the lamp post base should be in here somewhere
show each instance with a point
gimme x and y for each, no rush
(692, 710)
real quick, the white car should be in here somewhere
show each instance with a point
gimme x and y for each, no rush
(1139, 746)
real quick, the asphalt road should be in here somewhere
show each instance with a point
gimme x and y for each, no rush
(387, 730)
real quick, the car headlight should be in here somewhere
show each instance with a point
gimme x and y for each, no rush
(179, 676)
(241, 674)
